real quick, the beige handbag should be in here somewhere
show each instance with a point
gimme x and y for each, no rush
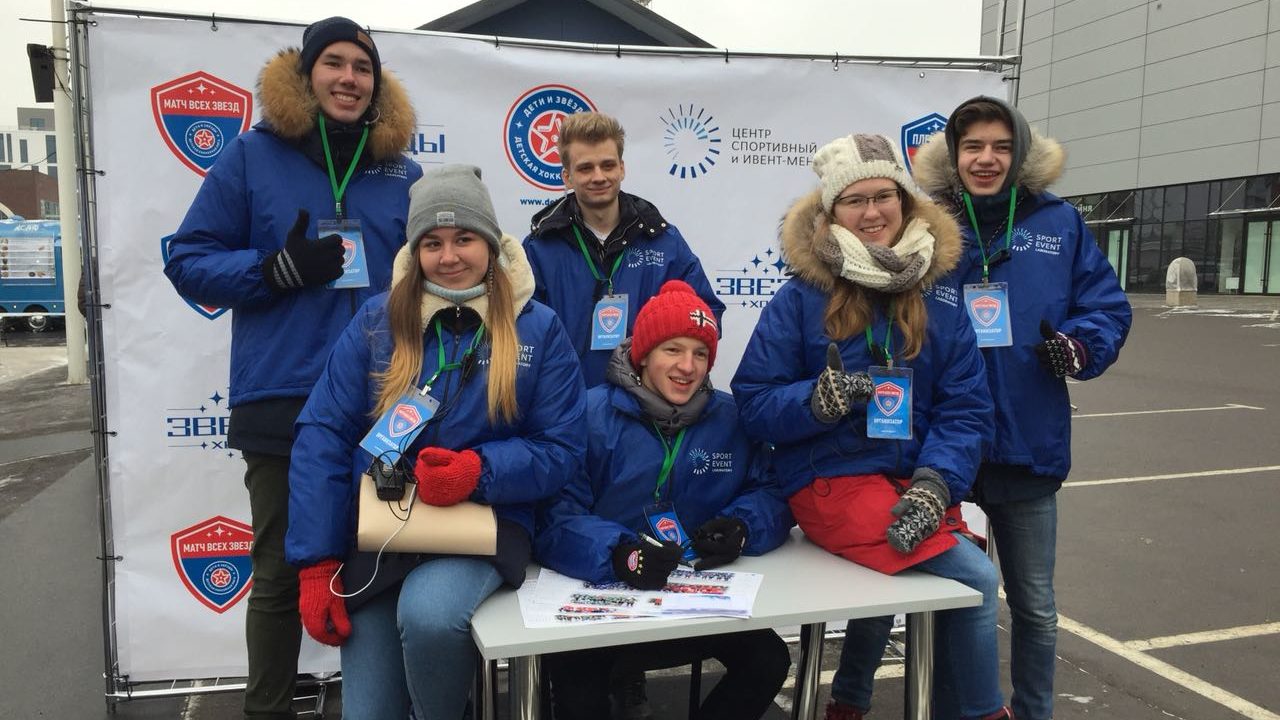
(464, 529)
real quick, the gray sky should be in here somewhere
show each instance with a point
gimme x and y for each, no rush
(849, 27)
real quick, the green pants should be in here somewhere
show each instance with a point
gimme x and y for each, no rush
(273, 630)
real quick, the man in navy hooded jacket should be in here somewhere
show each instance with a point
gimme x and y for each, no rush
(1068, 317)
(328, 148)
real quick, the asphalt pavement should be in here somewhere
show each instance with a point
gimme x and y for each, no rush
(1168, 581)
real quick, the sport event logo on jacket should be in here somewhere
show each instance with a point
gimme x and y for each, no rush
(212, 559)
(197, 116)
(209, 312)
(916, 132)
(532, 132)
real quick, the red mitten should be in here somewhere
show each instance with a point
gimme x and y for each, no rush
(446, 477)
(324, 614)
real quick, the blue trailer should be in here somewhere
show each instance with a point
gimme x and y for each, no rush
(31, 273)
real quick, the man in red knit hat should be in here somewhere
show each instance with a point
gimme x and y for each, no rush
(686, 464)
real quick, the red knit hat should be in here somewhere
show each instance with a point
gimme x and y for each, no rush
(676, 311)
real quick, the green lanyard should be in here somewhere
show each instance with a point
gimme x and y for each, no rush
(977, 233)
(668, 460)
(888, 340)
(583, 247)
(338, 190)
(441, 364)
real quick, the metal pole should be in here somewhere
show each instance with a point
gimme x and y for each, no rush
(524, 687)
(805, 706)
(63, 120)
(919, 685)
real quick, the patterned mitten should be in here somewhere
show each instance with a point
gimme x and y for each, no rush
(645, 565)
(837, 390)
(919, 511)
(1061, 354)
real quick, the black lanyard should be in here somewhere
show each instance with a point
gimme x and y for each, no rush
(338, 190)
(591, 264)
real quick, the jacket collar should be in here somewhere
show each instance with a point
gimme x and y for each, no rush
(638, 217)
(289, 107)
(806, 223)
(512, 259)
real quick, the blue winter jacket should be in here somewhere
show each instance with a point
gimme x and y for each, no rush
(522, 462)
(652, 250)
(775, 381)
(243, 212)
(719, 472)
(1057, 273)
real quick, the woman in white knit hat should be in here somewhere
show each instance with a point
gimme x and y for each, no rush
(864, 372)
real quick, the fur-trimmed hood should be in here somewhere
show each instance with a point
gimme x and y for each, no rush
(806, 223)
(290, 108)
(512, 260)
(935, 172)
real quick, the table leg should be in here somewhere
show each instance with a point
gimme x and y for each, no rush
(524, 687)
(919, 685)
(485, 691)
(805, 706)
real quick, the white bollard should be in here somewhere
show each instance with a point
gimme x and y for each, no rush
(1180, 283)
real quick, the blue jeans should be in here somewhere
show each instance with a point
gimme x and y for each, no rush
(1026, 535)
(415, 642)
(965, 653)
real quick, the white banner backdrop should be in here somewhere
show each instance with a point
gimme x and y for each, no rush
(722, 148)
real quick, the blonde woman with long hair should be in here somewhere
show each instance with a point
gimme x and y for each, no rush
(460, 332)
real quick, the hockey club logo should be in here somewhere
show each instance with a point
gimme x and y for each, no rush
(203, 427)
(532, 132)
(212, 559)
(691, 138)
(752, 284)
(348, 252)
(916, 132)
(888, 397)
(668, 529)
(404, 419)
(986, 309)
(609, 317)
(198, 114)
(208, 311)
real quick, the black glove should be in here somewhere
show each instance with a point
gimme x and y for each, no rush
(919, 511)
(645, 566)
(303, 262)
(837, 390)
(1060, 353)
(719, 541)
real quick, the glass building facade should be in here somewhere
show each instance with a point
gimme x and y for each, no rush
(1230, 230)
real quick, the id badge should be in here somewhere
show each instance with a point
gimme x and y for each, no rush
(355, 269)
(988, 306)
(399, 426)
(665, 525)
(889, 411)
(609, 322)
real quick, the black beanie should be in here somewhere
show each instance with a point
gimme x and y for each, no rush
(323, 33)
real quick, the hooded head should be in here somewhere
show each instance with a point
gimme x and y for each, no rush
(323, 33)
(976, 111)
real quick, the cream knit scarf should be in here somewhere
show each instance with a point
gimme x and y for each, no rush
(889, 270)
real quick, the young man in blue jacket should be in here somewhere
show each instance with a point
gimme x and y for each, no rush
(327, 150)
(1032, 268)
(659, 434)
(598, 253)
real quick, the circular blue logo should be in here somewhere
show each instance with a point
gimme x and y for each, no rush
(220, 578)
(700, 460)
(204, 139)
(532, 132)
(691, 140)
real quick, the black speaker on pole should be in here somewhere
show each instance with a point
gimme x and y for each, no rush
(41, 58)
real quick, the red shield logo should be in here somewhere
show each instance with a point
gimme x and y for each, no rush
(888, 397)
(197, 116)
(986, 309)
(212, 559)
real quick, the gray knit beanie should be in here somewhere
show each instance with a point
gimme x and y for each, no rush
(846, 160)
(451, 196)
